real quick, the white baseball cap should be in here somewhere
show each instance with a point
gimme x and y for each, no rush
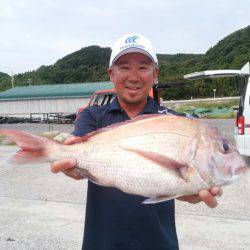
(129, 43)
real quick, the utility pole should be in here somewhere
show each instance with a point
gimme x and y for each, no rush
(29, 81)
(214, 92)
(12, 79)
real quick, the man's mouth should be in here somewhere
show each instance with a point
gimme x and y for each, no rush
(133, 87)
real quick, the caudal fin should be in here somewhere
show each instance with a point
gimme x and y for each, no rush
(33, 147)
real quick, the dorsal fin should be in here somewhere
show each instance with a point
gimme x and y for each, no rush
(79, 139)
(145, 116)
(136, 119)
(115, 125)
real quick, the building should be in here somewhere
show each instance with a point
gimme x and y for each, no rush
(47, 99)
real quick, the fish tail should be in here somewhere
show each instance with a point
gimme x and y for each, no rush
(33, 148)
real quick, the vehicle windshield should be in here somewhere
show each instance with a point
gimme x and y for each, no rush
(102, 99)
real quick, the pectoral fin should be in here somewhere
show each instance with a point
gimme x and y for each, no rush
(154, 200)
(159, 159)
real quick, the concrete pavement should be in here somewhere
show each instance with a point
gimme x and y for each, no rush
(40, 210)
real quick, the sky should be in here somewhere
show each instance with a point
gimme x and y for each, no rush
(35, 33)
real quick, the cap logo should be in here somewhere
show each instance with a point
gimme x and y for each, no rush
(131, 42)
(131, 39)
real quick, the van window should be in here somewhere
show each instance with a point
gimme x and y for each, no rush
(242, 89)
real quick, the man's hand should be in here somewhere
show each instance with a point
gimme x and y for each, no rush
(207, 196)
(67, 165)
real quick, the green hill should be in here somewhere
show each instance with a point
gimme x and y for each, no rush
(231, 52)
(85, 65)
(89, 64)
(4, 81)
(2, 75)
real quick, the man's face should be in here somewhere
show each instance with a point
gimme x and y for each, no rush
(133, 75)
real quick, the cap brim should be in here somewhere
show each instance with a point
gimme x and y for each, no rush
(132, 50)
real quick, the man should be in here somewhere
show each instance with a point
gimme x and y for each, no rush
(116, 220)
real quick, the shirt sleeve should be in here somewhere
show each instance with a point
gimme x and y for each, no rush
(86, 123)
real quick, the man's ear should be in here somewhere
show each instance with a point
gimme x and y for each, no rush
(110, 73)
(155, 74)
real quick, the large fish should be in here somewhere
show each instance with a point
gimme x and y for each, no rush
(156, 156)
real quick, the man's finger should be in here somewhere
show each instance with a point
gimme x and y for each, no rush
(72, 139)
(216, 191)
(208, 198)
(73, 174)
(194, 198)
(62, 165)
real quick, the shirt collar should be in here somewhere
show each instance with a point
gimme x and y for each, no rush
(114, 105)
(150, 108)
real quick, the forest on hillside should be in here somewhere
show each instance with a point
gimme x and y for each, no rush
(90, 64)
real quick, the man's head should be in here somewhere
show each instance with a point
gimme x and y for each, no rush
(133, 68)
(129, 43)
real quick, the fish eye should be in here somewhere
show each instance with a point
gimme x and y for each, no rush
(225, 147)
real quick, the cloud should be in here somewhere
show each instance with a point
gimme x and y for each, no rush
(43, 31)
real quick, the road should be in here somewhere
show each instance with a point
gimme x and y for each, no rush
(41, 210)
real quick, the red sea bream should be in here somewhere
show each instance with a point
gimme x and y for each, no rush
(156, 156)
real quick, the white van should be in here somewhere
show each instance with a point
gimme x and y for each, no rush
(242, 130)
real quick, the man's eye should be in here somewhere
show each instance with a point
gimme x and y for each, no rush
(124, 68)
(143, 68)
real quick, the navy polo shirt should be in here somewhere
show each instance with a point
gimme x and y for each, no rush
(116, 220)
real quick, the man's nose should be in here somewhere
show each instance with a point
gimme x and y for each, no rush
(133, 75)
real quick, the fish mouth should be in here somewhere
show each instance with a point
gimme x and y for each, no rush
(240, 170)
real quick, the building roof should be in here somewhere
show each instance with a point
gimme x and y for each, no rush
(54, 90)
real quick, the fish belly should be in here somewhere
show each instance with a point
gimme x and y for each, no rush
(115, 167)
